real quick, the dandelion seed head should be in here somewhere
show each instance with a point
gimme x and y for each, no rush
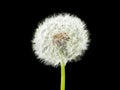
(59, 38)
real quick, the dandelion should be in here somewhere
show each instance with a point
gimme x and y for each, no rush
(59, 39)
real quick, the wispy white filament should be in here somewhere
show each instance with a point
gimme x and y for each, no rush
(60, 37)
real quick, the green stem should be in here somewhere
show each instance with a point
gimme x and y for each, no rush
(62, 76)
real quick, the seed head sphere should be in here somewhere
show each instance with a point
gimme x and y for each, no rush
(60, 38)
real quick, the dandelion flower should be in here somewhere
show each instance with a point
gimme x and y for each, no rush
(60, 39)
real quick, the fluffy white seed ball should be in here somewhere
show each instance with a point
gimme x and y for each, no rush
(60, 38)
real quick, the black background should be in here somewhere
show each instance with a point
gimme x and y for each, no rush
(21, 68)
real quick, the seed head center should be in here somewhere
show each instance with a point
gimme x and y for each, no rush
(60, 39)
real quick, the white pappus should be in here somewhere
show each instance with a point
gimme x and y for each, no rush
(59, 38)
